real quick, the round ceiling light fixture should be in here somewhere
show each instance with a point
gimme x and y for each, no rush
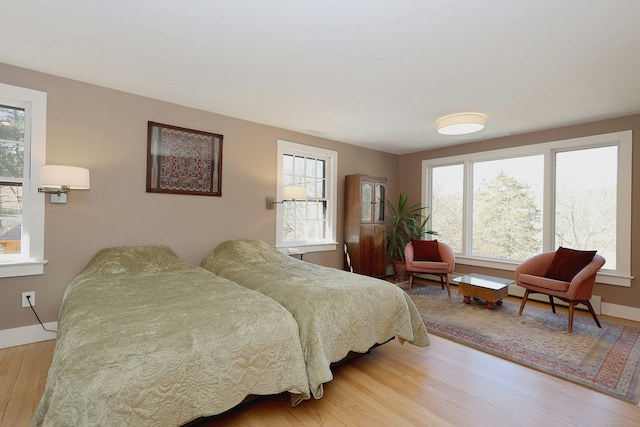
(460, 123)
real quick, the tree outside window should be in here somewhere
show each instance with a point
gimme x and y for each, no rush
(585, 202)
(506, 219)
(12, 131)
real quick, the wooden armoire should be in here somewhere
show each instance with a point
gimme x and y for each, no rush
(364, 224)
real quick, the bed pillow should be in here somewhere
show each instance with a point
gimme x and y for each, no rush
(426, 250)
(134, 260)
(567, 263)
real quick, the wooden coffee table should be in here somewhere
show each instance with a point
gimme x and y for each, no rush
(488, 288)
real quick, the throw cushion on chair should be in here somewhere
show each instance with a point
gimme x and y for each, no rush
(426, 250)
(567, 263)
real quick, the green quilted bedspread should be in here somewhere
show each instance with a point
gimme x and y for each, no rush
(147, 339)
(336, 311)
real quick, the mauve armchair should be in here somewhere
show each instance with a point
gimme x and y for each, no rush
(441, 268)
(531, 276)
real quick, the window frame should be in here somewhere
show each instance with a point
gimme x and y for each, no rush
(31, 259)
(331, 158)
(621, 276)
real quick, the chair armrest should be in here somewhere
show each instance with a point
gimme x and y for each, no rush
(590, 269)
(447, 255)
(408, 254)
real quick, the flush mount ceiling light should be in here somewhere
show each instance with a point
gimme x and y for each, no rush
(460, 123)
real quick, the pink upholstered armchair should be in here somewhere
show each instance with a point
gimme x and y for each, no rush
(531, 275)
(441, 262)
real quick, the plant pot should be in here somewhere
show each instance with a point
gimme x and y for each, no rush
(399, 269)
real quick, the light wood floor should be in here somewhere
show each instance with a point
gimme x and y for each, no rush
(394, 385)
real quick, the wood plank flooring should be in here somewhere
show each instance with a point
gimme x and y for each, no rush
(444, 384)
(394, 385)
(23, 373)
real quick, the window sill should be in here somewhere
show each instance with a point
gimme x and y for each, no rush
(317, 247)
(22, 268)
(607, 278)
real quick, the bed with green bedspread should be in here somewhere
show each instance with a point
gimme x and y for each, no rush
(337, 311)
(145, 338)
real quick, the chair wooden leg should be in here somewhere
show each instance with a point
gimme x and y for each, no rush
(593, 313)
(524, 301)
(572, 306)
(410, 281)
(553, 305)
(447, 282)
(441, 283)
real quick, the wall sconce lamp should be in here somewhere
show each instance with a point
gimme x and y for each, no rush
(58, 180)
(290, 193)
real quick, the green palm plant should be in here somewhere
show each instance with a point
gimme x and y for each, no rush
(406, 222)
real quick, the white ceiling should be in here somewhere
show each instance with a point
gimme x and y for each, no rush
(375, 73)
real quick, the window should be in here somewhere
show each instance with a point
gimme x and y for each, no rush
(11, 178)
(448, 200)
(500, 207)
(309, 224)
(507, 207)
(22, 149)
(585, 213)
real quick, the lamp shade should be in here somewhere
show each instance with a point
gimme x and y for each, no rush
(57, 176)
(291, 192)
(461, 123)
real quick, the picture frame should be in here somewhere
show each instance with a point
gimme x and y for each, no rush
(183, 161)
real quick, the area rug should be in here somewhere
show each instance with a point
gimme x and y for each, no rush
(604, 359)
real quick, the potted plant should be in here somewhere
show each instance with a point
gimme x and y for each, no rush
(405, 223)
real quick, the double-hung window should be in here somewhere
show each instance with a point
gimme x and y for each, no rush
(498, 208)
(309, 224)
(22, 149)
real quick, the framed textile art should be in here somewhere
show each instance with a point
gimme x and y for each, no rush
(183, 161)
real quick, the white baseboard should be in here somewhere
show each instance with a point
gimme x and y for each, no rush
(621, 311)
(27, 334)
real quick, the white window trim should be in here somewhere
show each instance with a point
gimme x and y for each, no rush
(32, 262)
(330, 243)
(622, 276)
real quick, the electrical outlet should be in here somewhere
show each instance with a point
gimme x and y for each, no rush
(32, 298)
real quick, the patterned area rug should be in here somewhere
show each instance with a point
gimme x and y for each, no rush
(604, 359)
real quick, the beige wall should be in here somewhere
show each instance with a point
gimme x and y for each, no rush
(106, 131)
(411, 170)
